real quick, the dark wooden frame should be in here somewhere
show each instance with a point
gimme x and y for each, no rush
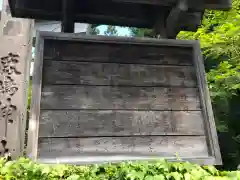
(211, 133)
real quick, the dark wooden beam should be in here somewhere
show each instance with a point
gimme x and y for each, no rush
(178, 19)
(166, 16)
(193, 4)
(68, 16)
(168, 26)
(191, 21)
(173, 22)
(160, 25)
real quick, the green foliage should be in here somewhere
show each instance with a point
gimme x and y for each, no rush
(111, 31)
(219, 37)
(24, 169)
(93, 29)
(220, 41)
(29, 95)
(136, 32)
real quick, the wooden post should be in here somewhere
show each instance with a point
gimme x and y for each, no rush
(178, 19)
(68, 19)
(15, 58)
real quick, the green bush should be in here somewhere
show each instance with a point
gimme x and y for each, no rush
(24, 169)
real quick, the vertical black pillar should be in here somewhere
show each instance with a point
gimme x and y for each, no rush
(68, 16)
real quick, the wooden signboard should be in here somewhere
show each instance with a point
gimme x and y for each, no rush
(101, 99)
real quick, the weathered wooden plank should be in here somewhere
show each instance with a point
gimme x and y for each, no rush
(123, 147)
(210, 127)
(62, 72)
(33, 126)
(119, 123)
(124, 53)
(106, 97)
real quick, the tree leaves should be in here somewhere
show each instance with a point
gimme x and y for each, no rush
(111, 31)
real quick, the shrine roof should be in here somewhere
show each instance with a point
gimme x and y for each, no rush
(137, 13)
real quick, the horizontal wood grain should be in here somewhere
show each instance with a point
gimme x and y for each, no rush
(124, 53)
(159, 146)
(106, 97)
(119, 123)
(133, 110)
(62, 72)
